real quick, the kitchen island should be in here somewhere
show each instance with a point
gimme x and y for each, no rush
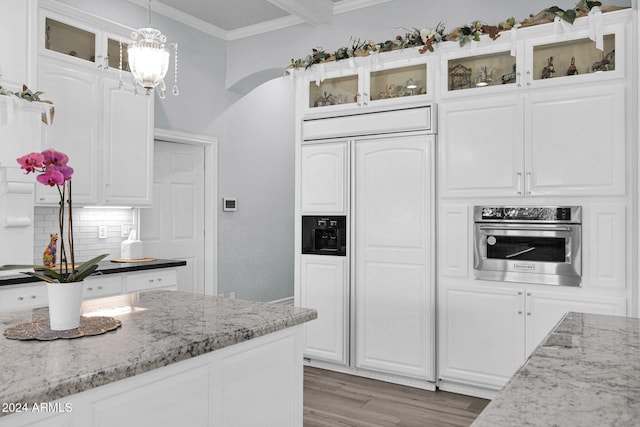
(586, 373)
(178, 357)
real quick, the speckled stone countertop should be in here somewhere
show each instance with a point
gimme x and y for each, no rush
(586, 373)
(104, 267)
(158, 328)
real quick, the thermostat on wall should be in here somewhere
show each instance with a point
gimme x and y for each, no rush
(229, 204)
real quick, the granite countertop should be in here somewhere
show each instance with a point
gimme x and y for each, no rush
(586, 373)
(104, 267)
(158, 328)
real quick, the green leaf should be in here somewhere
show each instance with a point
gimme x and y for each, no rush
(16, 266)
(89, 264)
(569, 15)
(41, 277)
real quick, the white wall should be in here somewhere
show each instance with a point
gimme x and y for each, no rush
(255, 243)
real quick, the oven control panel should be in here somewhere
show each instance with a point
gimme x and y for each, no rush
(552, 214)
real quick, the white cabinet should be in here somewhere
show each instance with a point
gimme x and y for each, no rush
(212, 389)
(22, 297)
(481, 335)
(538, 57)
(166, 279)
(32, 295)
(393, 254)
(75, 130)
(324, 286)
(323, 178)
(569, 149)
(403, 76)
(128, 145)
(102, 286)
(482, 147)
(17, 65)
(486, 333)
(538, 144)
(106, 130)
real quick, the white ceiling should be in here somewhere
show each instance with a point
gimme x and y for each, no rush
(235, 19)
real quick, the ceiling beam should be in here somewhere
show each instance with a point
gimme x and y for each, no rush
(315, 12)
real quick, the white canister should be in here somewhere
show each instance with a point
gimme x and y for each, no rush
(131, 248)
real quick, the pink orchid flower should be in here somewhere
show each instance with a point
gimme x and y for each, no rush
(54, 158)
(51, 177)
(29, 162)
(66, 171)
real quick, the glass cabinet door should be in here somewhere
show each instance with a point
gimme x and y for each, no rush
(334, 91)
(574, 57)
(398, 82)
(494, 69)
(70, 40)
(114, 47)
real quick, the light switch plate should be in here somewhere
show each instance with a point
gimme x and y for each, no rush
(125, 230)
(102, 232)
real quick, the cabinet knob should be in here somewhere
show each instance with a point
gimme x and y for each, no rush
(519, 292)
(99, 287)
(519, 311)
(20, 298)
(89, 289)
(528, 313)
(33, 297)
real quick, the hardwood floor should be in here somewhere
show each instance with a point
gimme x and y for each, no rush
(333, 399)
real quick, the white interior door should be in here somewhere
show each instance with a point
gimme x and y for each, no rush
(174, 227)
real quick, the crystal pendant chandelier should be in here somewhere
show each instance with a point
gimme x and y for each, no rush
(149, 59)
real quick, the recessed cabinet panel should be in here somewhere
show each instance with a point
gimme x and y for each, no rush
(324, 178)
(605, 252)
(324, 287)
(482, 334)
(576, 142)
(453, 241)
(70, 40)
(481, 150)
(74, 130)
(394, 255)
(17, 20)
(128, 138)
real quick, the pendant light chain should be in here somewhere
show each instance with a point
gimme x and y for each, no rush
(175, 90)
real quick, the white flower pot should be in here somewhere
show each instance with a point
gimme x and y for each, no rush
(65, 300)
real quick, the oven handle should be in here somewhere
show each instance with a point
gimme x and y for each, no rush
(524, 228)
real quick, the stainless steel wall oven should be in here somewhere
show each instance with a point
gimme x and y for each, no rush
(528, 244)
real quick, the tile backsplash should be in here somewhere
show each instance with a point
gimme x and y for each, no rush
(85, 224)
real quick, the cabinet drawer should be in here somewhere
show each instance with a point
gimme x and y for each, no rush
(403, 120)
(159, 279)
(96, 287)
(23, 297)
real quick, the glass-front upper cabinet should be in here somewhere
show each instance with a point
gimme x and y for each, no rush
(543, 57)
(73, 40)
(373, 82)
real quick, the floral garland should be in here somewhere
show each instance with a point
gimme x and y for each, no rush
(429, 38)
